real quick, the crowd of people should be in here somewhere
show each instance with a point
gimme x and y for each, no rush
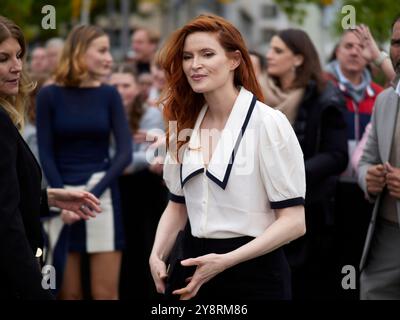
(285, 170)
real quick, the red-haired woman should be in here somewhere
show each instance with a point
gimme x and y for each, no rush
(240, 177)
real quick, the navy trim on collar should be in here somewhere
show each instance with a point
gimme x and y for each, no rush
(229, 165)
(175, 198)
(287, 203)
(223, 183)
(190, 175)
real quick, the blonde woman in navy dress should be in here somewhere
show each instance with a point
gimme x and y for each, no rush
(239, 180)
(76, 118)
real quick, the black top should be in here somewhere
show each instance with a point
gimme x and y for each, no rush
(74, 126)
(143, 67)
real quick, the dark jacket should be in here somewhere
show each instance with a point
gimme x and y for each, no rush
(21, 203)
(321, 130)
(357, 112)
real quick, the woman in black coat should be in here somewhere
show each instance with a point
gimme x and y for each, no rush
(315, 108)
(22, 201)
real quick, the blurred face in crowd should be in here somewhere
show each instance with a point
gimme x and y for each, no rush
(98, 57)
(39, 60)
(158, 77)
(349, 54)
(142, 46)
(53, 57)
(145, 81)
(126, 86)
(395, 47)
(281, 60)
(206, 64)
(10, 67)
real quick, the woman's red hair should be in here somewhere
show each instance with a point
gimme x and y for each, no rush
(181, 103)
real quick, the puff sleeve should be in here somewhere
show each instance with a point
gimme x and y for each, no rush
(281, 162)
(171, 175)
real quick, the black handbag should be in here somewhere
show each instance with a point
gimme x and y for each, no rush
(176, 273)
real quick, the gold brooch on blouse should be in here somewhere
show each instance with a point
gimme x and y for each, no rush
(195, 149)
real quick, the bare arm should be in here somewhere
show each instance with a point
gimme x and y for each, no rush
(387, 69)
(172, 221)
(289, 225)
(371, 51)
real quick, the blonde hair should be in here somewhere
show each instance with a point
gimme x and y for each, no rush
(72, 69)
(15, 105)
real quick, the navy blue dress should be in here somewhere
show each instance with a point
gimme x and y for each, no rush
(75, 127)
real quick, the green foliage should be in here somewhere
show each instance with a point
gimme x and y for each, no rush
(377, 15)
(28, 15)
(294, 8)
(18, 11)
(63, 16)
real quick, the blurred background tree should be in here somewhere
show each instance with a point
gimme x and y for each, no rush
(294, 9)
(377, 15)
(28, 14)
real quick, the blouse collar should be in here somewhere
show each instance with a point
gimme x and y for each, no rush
(221, 162)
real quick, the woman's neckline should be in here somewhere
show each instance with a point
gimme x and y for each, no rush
(81, 88)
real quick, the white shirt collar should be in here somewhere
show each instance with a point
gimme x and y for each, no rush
(222, 159)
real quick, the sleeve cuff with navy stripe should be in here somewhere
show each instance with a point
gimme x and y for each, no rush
(287, 203)
(175, 198)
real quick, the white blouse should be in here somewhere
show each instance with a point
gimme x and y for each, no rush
(257, 166)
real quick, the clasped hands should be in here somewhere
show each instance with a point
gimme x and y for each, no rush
(381, 175)
(207, 267)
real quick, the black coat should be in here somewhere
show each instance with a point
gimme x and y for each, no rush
(21, 204)
(321, 129)
(322, 133)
